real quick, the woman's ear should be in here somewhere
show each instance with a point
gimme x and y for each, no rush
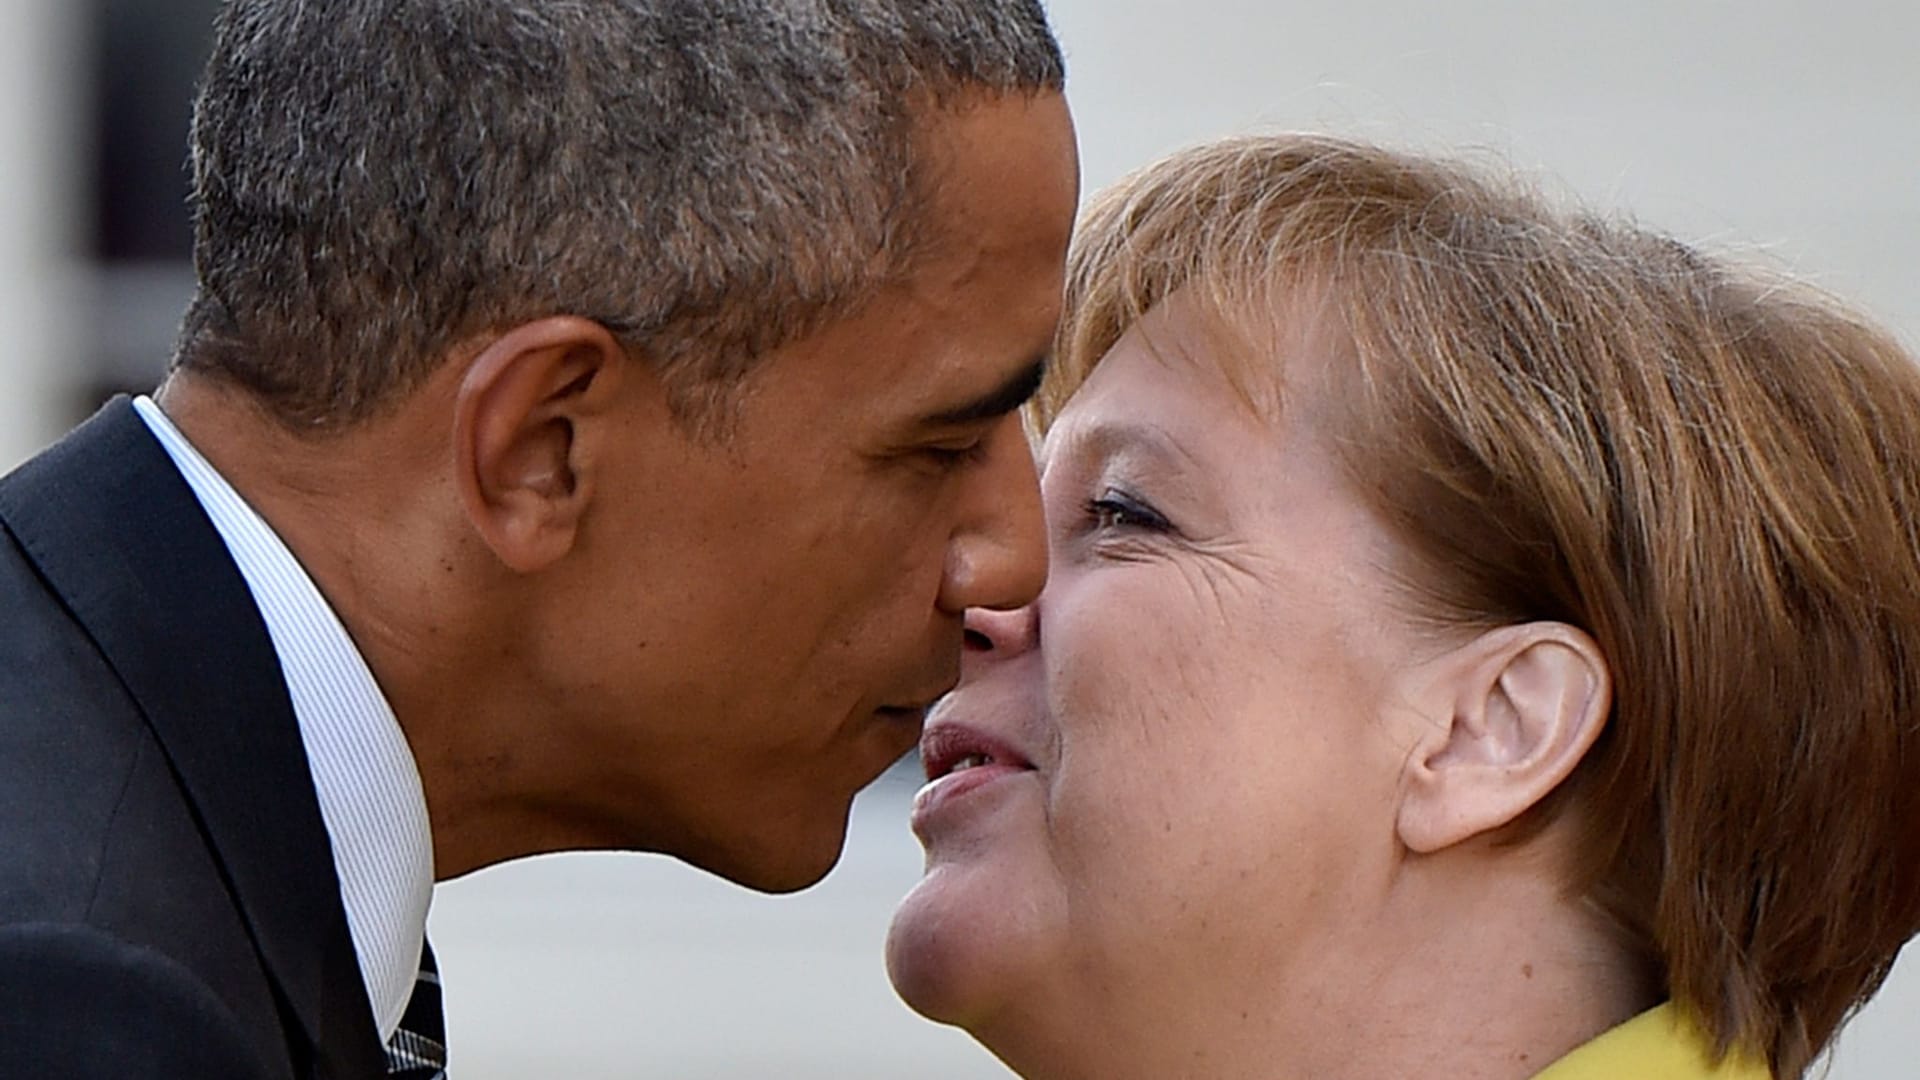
(1511, 713)
(524, 416)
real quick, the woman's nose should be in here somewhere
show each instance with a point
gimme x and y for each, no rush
(1001, 635)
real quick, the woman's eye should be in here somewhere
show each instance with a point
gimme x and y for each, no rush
(1118, 510)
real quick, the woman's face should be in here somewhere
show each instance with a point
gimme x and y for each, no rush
(1174, 772)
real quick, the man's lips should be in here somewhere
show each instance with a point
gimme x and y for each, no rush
(918, 701)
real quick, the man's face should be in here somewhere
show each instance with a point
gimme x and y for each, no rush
(769, 613)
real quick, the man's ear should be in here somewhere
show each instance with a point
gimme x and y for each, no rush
(523, 419)
(1511, 714)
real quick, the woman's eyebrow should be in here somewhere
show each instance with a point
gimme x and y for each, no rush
(1150, 440)
(1106, 440)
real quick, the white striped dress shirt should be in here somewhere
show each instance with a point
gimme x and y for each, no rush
(363, 772)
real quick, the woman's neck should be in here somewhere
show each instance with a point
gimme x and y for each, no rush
(1467, 972)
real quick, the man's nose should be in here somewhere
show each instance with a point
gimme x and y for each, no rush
(997, 557)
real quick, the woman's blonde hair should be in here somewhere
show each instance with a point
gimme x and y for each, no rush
(1714, 472)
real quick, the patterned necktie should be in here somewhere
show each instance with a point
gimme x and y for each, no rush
(418, 1049)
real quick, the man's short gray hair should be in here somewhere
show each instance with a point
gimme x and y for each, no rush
(377, 180)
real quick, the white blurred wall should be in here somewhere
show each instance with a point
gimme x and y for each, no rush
(38, 210)
(1781, 123)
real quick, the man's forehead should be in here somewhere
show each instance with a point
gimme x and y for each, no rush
(1011, 159)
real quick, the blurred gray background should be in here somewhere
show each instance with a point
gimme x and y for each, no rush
(1788, 130)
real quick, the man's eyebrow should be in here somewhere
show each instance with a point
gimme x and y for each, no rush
(997, 402)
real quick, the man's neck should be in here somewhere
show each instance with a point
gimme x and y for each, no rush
(373, 517)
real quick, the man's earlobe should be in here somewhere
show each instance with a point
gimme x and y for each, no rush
(1514, 712)
(527, 417)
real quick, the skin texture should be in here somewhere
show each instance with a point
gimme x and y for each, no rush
(601, 629)
(1258, 786)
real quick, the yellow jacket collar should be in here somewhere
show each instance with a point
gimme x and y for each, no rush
(1659, 1044)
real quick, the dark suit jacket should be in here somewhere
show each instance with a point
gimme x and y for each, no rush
(168, 903)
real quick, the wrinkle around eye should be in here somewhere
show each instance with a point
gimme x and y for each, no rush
(1220, 560)
(1124, 549)
(1223, 575)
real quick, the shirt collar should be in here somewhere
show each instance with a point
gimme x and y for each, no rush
(364, 774)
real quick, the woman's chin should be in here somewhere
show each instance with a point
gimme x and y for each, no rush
(957, 944)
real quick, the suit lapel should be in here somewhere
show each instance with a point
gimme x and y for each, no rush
(118, 534)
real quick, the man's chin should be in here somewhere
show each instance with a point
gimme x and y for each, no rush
(782, 864)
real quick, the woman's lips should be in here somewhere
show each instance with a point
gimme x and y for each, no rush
(959, 761)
